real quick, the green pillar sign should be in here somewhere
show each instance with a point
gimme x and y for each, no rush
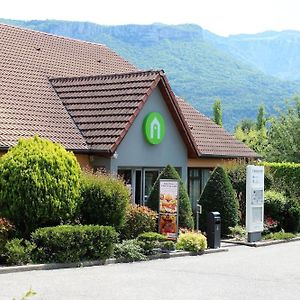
(154, 128)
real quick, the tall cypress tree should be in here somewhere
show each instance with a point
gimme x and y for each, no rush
(219, 195)
(217, 108)
(261, 120)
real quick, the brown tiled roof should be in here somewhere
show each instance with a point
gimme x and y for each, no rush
(104, 107)
(92, 99)
(211, 139)
(28, 103)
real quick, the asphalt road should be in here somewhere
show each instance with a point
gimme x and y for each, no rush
(271, 272)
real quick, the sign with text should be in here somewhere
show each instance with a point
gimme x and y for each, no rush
(168, 207)
(255, 199)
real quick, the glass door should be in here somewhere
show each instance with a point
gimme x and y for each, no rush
(138, 187)
(150, 176)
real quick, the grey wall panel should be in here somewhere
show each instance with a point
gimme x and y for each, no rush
(135, 151)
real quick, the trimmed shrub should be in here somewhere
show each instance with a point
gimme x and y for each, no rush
(69, 243)
(191, 241)
(218, 195)
(129, 250)
(39, 184)
(104, 200)
(168, 246)
(151, 240)
(18, 252)
(286, 178)
(291, 218)
(6, 231)
(284, 211)
(274, 205)
(138, 219)
(185, 208)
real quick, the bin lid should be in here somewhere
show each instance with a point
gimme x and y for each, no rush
(215, 214)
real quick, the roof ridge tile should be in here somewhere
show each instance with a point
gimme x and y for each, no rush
(50, 34)
(107, 76)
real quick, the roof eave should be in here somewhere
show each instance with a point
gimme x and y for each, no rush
(231, 156)
(183, 126)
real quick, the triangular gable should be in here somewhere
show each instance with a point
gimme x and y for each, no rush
(104, 107)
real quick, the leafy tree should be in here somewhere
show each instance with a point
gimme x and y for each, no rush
(217, 108)
(185, 208)
(255, 139)
(39, 184)
(245, 125)
(218, 195)
(284, 133)
(254, 135)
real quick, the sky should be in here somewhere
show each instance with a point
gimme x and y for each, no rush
(223, 17)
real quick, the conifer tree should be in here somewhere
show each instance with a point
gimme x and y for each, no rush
(261, 120)
(218, 195)
(185, 208)
(217, 108)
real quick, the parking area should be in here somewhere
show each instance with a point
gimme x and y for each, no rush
(271, 272)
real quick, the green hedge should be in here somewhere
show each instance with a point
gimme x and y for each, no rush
(104, 200)
(291, 219)
(69, 243)
(286, 177)
(39, 184)
(274, 205)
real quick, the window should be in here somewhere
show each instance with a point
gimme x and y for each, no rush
(197, 179)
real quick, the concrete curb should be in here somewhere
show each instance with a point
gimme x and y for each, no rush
(261, 243)
(53, 266)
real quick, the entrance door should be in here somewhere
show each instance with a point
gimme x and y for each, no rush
(150, 176)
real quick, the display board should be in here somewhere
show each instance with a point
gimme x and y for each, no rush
(255, 199)
(168, 207)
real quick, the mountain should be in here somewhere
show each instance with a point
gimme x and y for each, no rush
(200, 65)
(274, 53)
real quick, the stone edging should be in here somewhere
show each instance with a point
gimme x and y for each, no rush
(261, 243)
(52, 266)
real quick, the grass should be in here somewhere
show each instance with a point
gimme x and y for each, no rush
(280, 236)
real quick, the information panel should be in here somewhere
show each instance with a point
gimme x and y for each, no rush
(168, 207)
(255, 199)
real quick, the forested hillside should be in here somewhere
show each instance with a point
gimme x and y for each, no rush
(275, 53)
(200, 66)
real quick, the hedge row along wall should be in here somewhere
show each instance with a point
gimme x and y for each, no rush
(286, 177)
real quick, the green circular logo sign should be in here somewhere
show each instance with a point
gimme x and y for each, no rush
(154, 128)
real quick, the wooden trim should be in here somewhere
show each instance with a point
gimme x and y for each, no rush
(208, 162)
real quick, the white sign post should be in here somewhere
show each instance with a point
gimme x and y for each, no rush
(254, 202)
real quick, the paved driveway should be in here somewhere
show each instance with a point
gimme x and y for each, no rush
(242, 273)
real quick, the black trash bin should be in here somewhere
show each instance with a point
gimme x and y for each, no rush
(213, 230)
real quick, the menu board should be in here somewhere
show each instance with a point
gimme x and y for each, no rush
(168, 207)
